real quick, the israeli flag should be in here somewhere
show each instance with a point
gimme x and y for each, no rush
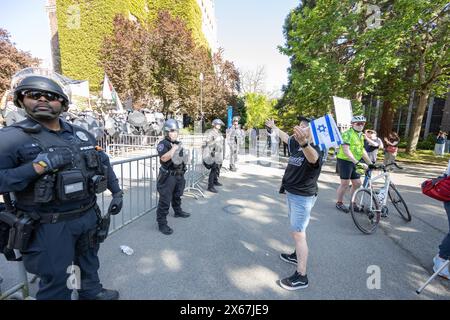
(325, 132)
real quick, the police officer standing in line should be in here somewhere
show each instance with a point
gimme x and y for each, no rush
(171, 182)
(234, 138)
(53, 169)
(213, 156)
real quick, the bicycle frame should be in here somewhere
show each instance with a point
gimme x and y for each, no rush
(368, 180)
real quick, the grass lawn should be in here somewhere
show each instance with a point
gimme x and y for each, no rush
(423, 157)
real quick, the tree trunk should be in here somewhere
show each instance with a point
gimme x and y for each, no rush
(445, 124)
(410, 110)
(387, 119)
(417, 121)
(377, 112)
(361, 78)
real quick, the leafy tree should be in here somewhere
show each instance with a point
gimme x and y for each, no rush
(12, 60)
(334, 51)
(160, 63)
(221, 86)
(126, 60)
(258, 109)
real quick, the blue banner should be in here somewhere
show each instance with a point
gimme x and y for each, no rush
(230, 116)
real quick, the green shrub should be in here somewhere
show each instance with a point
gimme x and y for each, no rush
(403, 144)
(428, 143)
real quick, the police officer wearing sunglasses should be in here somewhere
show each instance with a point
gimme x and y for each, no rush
(54, 170)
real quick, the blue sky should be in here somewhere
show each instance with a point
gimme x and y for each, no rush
(248, 30)
(27, 22)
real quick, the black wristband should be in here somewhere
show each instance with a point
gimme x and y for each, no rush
(304, 145)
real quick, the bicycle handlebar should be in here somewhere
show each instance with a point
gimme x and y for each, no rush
(383, 167)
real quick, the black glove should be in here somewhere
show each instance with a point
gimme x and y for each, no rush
(372, 166)
(116, 203)
(52, 161)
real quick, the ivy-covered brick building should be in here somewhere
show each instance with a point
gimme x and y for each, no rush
(79, 26)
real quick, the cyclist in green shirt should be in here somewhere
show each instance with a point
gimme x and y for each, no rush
(350, 155)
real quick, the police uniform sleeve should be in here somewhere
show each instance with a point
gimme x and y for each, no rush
(163, 148)
(14, 175)
(113, 182)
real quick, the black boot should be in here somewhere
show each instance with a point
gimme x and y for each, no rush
(182, 214)
(164, 228)
(217, 184)
(212, 189)
(105, 294)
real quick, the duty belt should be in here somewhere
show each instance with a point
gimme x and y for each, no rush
(176, 172)
(62, 216)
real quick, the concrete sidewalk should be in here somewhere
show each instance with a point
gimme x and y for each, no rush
(229, 248)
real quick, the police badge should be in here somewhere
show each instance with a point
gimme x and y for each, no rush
(82, 136)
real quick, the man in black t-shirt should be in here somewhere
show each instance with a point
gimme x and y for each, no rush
(300, 184)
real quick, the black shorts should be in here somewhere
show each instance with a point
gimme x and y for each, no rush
(347, 170)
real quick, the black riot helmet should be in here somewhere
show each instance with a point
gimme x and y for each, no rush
(40, 83)
(170, 125)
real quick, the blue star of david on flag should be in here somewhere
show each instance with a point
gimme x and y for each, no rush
(325, 132)
(322, 128)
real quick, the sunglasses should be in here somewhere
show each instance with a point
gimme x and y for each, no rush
(36, 94)
(359, 123)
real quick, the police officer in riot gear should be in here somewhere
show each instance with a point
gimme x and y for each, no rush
(171, 182)
(235, 136)
(54, 171)
(213, 155)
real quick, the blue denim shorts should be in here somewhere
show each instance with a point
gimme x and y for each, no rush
(299, 210)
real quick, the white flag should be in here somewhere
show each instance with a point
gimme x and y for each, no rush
(110, 94)
(325, 132)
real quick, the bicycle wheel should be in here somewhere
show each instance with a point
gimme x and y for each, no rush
(365, 211)
(399, 203)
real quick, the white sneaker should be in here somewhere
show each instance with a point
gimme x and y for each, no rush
(438, 262)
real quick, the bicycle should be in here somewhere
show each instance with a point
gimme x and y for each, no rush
(369, 205)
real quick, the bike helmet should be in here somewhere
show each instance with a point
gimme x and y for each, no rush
(358, 119)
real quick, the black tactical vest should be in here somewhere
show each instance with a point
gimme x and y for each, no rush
(75, 183)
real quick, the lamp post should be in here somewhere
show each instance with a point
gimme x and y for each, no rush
(201, 100)
(201, 94)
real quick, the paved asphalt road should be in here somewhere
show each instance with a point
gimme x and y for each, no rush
(229, 248)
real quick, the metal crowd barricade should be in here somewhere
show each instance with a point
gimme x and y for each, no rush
(137, 178)
(126, 145)
(196, 171)
(195, 175)
(20, 291)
